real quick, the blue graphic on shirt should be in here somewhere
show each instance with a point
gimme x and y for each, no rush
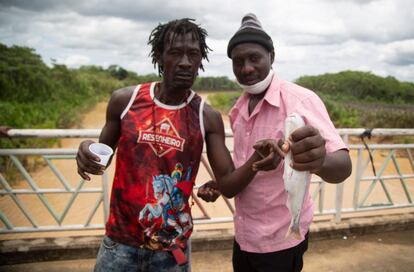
(167, 223)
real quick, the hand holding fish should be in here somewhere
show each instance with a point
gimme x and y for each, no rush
(308, 149)
(297, 143)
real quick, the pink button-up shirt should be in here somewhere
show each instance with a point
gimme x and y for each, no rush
(262, 217)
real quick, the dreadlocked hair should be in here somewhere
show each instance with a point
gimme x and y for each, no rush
(161, 35)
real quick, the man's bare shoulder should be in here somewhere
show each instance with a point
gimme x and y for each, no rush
(211, 113)
(122, 96)
(212, 119)
(120, 99)
(123, 93)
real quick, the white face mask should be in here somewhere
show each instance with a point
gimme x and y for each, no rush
(259, 87)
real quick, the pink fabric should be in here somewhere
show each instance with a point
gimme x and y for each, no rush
(262, 218)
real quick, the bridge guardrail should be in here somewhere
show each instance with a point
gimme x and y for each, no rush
(364, 191)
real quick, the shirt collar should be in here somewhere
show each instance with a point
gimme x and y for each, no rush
(272, 95)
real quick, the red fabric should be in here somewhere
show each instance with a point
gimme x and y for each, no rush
(138, 165)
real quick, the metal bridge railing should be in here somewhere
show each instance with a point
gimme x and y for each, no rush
(29, 206)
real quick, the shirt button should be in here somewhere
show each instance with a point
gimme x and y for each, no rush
(248, 133)
(240, 217)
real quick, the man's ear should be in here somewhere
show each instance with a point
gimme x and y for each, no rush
(272, 57)
(158, 57)
(160, 61)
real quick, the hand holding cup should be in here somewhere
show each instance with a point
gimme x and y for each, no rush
(103, 151)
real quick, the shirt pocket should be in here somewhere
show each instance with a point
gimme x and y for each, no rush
(264, 132)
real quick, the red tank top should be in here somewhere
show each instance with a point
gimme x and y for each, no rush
(158, 156)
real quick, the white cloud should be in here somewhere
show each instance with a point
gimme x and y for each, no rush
(74, 60)
(399, 53)
(310, 36)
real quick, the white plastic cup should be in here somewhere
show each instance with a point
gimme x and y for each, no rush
(103, 151)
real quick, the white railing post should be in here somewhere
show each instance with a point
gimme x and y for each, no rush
(340, 192)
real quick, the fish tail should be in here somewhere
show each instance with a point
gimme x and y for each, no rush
(294, 232)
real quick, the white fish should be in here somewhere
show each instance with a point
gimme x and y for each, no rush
(296, 182)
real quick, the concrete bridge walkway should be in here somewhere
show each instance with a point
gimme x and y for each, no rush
(378, 252)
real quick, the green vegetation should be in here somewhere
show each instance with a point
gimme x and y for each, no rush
(361, 99)
(354, 99)
(360, 86)
(224, 101)
(34, 95)
(215, 83)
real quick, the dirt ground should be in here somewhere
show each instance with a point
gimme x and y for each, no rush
(384, 252)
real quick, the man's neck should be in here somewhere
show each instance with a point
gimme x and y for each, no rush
(254, 99)
(170, 96)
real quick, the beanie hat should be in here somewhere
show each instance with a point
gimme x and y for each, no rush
(250, 31)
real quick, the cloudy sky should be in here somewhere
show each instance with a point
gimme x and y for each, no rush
(311, 36)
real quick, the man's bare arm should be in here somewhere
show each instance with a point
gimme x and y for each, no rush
(230, 181)
(309, 154)
(87, 161)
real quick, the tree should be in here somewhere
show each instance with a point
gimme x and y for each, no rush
(117, 72)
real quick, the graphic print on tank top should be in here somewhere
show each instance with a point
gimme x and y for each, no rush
(167, 222)
(162, 138)
(157, 162)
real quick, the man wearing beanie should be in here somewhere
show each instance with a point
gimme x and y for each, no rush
(262, 218)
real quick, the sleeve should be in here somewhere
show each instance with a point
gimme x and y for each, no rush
(315, 114)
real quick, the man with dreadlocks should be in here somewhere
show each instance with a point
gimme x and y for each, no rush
(159, 129)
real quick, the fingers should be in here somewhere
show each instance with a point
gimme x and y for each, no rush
(271, 153)
(208, 196)
(85, 153)
(87, 165)
(303, 132)
(83, 175)
(265, 147)
(308, 166)
(310, 155)
(258, 165)
(259, 144)
(87, 161)
(285, 146)
(281, 148)
(212, 184)
(305, 139)
(213, 194)
(306, 144)
(268, 163)
(208, 193)
(261, 154)
(263, 168)
(308, 149)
